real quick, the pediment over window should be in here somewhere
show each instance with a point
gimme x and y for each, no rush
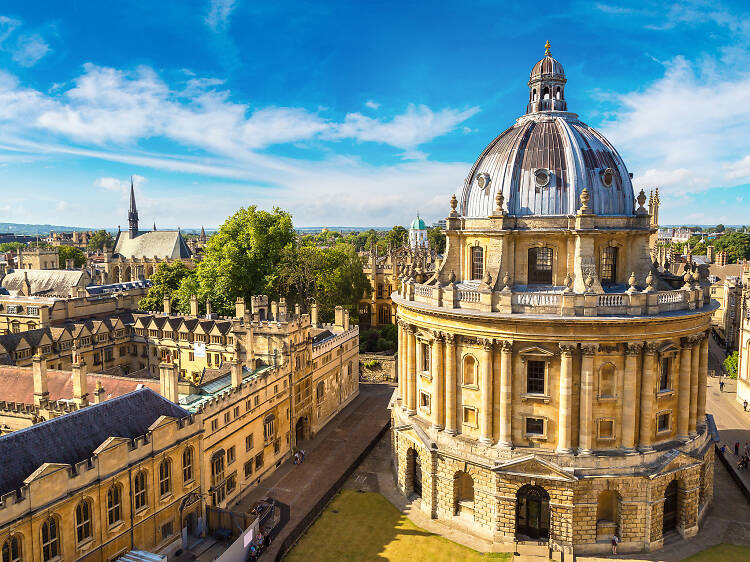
(675, 460)
(668, 348)
(535, 351)
(534, 467)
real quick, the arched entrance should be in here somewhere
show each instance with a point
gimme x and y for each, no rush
(670, 507)
(300, 429)
(532, 512)
(413, 473)
(463, 487)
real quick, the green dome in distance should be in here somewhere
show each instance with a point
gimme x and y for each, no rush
(418, 224)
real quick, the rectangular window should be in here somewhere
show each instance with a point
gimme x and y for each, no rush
(236, 411)
(608, 265)
(226, 417)
(534, 426)
(662, 422)
(276, 446)
(230, 455)
(606, 429)
(259, 461)
(477, 262)
(540, 266)
(664, 374)
(535, 377)
(249, 442)
(425, 347)
(470, 416)
(166, 530)
(214, 425)
(231, 482)
(256, 401)
(424, 401)
(248, 469)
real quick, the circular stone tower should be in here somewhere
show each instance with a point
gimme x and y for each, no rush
(552, 379)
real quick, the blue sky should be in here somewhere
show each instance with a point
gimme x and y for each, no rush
(351, 113)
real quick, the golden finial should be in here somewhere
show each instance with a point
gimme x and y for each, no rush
(546, 48)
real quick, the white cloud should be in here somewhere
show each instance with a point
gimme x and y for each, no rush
(119, 185)
(218, 14)
(30, 49)
(372, 104)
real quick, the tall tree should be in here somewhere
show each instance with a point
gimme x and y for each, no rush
(99, 240)
(66, 253)
(735, 244)
(164, 283)
(241, 259)
(436, 238)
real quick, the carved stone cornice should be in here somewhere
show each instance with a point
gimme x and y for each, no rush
(439, 336)
(450, 339)
(633, 348)
(506, 346)
(609, 347)
(588, 349)
(567, 349)
(487, 344)
(652, 348)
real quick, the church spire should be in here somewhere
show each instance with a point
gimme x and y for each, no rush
(132, 213)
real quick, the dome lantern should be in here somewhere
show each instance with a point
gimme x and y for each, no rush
(547, 85)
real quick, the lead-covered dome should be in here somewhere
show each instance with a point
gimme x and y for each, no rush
(545, 160)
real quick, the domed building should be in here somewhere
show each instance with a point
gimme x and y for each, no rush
(553, 383)
(418, 235)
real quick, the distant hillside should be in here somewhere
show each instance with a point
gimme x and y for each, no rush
(36, 229)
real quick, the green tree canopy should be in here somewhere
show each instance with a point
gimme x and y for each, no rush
(719, 228)
(735, 244)
(240, 260)
(66, 253)
(331, 276)
(166, 280)
(730, 365)
(11, 246)
(99, 240)
(436, 238)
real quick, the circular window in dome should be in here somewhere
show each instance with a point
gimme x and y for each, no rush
(483, 181)
(608, 176)
(541, 176)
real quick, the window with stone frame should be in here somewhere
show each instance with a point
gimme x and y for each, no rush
(665, 369)
(477, 262)
(139, 491)
(469, 371)
(114, 505)
(606, 429)
(424, 401)
(425, 348)
(535, 426)
(165, 477)
(12, 550)
(470, 416)
(50, 539)
(662, 422)
(608, 265)
(84, 531)
(248, 469)
(187, 464)
(535, 374)
(540, 266)
(607, 381)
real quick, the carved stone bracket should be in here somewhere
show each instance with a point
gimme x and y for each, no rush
(633, 348)
(568, 348)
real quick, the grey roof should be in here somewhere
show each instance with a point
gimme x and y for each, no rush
(46, 282)
(73, 437)
(150, 244)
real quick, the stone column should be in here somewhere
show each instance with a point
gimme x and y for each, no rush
(702, 382)
(566, 385)
(632, 354)
(451, 426)
(694, 368)
(485, 420)
(506, 398)
(648, 389)
(411, 371)
(683, 390)
(586, 400)
(401, 362)
(438, 381)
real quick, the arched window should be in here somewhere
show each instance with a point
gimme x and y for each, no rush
(608, 265)
(477, 262)
(545, 93)
(12, 549)
(187, 464)
(463, 485)
(217, 468)
(139, 490)
(558, 95)
(83, 521)
(114, 505)
(532, 512)
(533, 97)
(540, 266)
(50, 540)
(320, 391)
(607, 381)
(165, 477)
(470, 371)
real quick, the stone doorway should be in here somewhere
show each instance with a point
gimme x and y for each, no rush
(532, 512)
(670, 507)
(300, 429)
(414, 472)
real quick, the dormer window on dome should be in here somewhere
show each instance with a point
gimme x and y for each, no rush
(483, 181)
(541, 177)
(608, 176)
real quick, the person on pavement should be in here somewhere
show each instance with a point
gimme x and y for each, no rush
(721, 386)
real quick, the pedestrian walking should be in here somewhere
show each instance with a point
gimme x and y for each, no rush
(615, 540)
(744, 405)
(721, 386)
(736, 448)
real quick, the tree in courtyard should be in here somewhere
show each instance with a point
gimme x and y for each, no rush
(240, 260)
(166, 280)
(730, 365)
(99, 240)
(66, 253)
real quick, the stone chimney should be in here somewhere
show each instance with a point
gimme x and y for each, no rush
(338, 316)
(168, 381)
(208, 308)
(167, 306)
(274, 311)
(193, 305)
(239, 308)
(314, 314)
(236, 373)
(43, 316)
(710, 254)
(346, 320)
(39, 370)
(98, 391)
(721, 258)
(297, 310)
(80, 391)
(282, 310)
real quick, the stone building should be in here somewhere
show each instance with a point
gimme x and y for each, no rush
(137, 253)
(39, 258)
(418, 235)
(101, 481)
(555, 378)
(743, 339)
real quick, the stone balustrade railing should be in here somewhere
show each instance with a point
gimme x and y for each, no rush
(508, 301)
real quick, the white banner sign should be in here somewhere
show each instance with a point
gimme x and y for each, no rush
(199, 348)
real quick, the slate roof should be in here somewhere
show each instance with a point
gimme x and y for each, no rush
(150, 244)
(74, 437)
(46, 282)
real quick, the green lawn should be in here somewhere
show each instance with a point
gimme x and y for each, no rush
(721, 552)
(366, 526)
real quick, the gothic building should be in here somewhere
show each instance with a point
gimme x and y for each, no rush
(554, 383)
